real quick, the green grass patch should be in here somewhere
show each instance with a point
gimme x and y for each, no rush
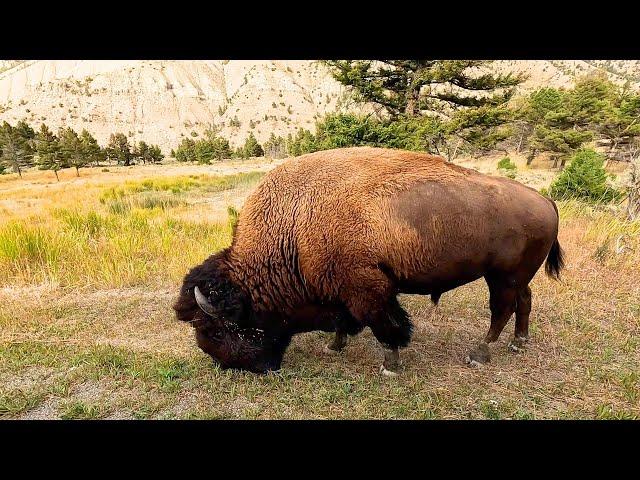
(77, 410)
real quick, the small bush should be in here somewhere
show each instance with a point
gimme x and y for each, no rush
(506, 164)
(584, 178)
(507, 167)
(233, 214)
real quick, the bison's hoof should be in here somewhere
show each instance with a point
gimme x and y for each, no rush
(387, 373)
(479, 356)
(327, 350)
(518, 344)
(472, 363)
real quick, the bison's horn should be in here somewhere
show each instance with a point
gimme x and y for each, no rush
(203, 303)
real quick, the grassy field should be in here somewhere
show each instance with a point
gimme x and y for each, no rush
(89, 268)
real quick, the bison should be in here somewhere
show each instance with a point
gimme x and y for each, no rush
(328, 240)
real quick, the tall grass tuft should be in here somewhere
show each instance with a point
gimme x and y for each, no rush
(75, 248)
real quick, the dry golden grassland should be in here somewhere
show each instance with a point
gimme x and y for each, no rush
(89, 268)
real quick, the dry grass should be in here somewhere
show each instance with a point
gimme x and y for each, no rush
(86, 329)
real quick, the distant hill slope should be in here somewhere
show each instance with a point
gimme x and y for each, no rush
(162, 102)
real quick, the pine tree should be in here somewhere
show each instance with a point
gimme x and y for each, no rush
(186, 151)
(72, 149)
(463, 104)
(414, 87)
(25, 131)
(155, 154)
(552, 115)
(610, 111)
(142, 152)
(15, 149)
(252, 148)
(119, 149)
(275, 147)
(91, 150)
(50, 155)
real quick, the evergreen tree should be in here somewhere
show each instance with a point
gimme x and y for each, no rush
(91, 149)
(155, 154)
(585, 178)
(186, 151)
(119, 149)
(412, 87)
(303, 142)
(205, 151)
(275, 147)
(25, 131)
(552, 119)
(50, 155)
(610, 111)
(142, 152)
(464, 106)
(15, 149)
(72, 149)
(252, 148)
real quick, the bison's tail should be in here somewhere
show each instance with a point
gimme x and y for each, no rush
(555, 259)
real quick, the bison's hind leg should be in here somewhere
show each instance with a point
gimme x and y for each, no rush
(523, 309)
(503, 292)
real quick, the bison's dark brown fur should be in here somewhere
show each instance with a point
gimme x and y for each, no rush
(328, 240)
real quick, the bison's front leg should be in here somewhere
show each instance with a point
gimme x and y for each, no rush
(371, 300)
(345, 325)
(337, 344)
(392, 327)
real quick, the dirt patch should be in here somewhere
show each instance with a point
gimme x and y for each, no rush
(48, 410)
(239, 405)
(120, 415)
(27, 379)
(88, 392)
(186, 402)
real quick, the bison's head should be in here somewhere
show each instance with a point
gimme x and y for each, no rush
(226, 326)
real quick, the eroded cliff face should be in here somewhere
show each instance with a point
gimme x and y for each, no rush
(162, 102)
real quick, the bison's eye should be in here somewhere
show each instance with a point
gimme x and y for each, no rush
(216, 336)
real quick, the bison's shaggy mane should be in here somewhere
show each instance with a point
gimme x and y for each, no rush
(212, 279)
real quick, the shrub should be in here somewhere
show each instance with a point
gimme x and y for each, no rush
(349, 130)
(507, 167)
(584, 178)
(506, 164)
(233, 214)
(252, 148)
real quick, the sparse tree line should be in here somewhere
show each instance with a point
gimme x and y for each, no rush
(214, 147)
(22, 147)
(446, 107)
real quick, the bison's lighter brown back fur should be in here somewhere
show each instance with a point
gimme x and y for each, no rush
(317, 218)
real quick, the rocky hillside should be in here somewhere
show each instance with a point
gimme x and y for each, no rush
(164, 101)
